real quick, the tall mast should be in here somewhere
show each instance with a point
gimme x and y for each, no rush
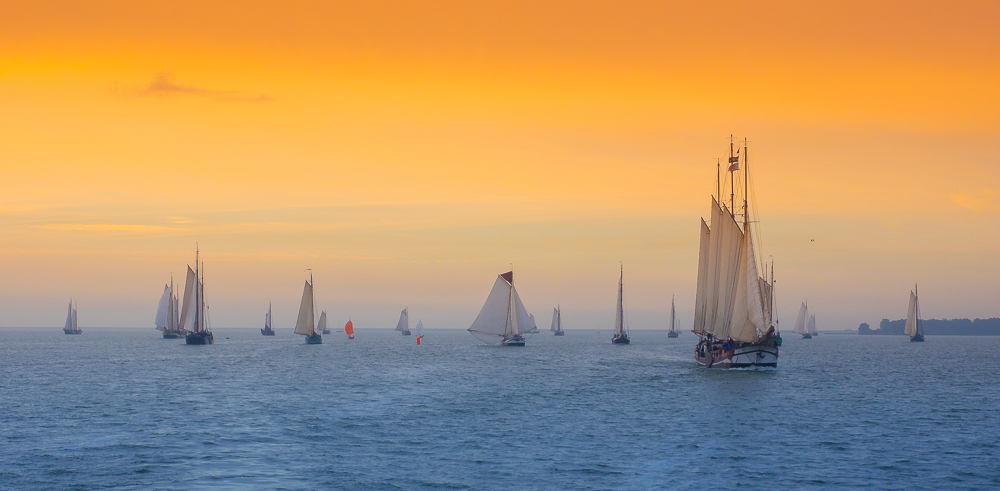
(197, 292)
(201, 292)
(718, 179)
(170, 306)
(732, 183)
(746, 190)
(916, 305)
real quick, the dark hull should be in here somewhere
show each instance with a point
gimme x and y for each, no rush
(201, 337)
(623, 339)
(406, 333)
(267, 332)
(764, 354)
(672, 334)
(326, 331)
(807, 336)
(560, 333)
(514, 341)
(314, 339)
(172, 335)
(919, 338)
(80, 331)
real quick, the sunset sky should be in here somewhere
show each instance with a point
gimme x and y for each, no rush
(408, 152)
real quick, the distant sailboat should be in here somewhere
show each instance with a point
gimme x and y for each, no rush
(556, 327)
(811, 326)
(321, 327)
(913, 328)
(419, 330)
(194, 304)
(672, 333)
(801, 322)
(267, 331)
(71, 326)
(733, 303)
(621, 329)
(503, 318)
(403, 325)
(306, 322)
(167, 320)
(349, 329)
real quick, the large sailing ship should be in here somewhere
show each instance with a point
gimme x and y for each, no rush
(672, 333)
(71, 327)
(556, 327)
(194, 304)
(733, 303)
(913, 328)
(621, 329)
(267, 330)
(167, 319)
(305, 324)
(403, 325)
(503, 318)
(802, 321)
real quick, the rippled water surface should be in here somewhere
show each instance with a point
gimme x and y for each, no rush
(123, 408)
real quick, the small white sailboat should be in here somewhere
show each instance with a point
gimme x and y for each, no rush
(621, 328)
(556, 327)
(802, 321)
(267, 330)
(672, 333)
(321, 326)
(305, 324)
(71, 326)
(403, 325)
(503, 318)
(913, 327)
(194, 304)
(167, 319)
(419, 330)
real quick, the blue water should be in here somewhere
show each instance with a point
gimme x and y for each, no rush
(123, 408)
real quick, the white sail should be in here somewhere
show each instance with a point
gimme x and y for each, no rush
(525, 321)
(305, 324)
(404, 322)
(911, 316)
(619, 309)
(555, 320)
(175, 316)
(69, 316)
(163, 310)
(419, 330)
(800, 320)
(322, 322)
(811, 325)
(189, 299)
(673, 315)
(491, 325)
(75, 325)
(701, 294)
(267, 318)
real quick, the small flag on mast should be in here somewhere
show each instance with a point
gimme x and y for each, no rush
(734, 162)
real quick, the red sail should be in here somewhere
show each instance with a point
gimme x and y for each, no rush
(349, 328)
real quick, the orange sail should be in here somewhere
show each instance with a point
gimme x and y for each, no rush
(349, 328)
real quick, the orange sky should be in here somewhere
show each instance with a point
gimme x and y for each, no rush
(408, 152)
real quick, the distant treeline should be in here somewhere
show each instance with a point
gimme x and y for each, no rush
(938, 327)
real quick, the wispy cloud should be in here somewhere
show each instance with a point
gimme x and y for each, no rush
(164, 86)
(984, 201)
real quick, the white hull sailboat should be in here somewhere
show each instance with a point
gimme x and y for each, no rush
(913, 328)
(733, 303)
(71, 326)
(305, 324)
(167, 318)
(403, 325)
(556, 327)
(503, 318)
(194, 304)
(621, 329)
(672, 333)
(802, 322)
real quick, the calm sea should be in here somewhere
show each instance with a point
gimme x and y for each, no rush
(123, 408)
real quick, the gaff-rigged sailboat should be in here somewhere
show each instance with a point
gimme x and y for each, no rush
(71, 327)
(194, 304)
(801, 322)
(305, 324)
(733, 303)
(267, 330)
(556, 327)
(621, 329)
(503, 318)
(672, 333)
(167, 320)
(349, 329)
(913, 328)
(403, 325)
(321, 327)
